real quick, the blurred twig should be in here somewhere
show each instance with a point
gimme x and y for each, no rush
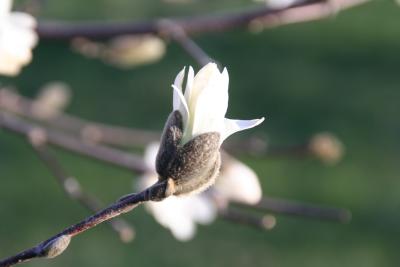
(98, 152)
(263, 222)
(72, 187)
(305, 210)
(316, 9)
(178, 34)
(90, 131)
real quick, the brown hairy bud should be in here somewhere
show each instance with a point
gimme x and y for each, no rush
(192, 166)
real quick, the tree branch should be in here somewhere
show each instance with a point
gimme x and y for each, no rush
(198, 24)
(56, 244)
(178, 34)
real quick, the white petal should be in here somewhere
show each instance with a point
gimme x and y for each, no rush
(211, 105)
(182, 107)
(239, 183)
(171, 213)
(144, 181)
(150, 155)
(201, 80)
(18, 43)
(179, 78)
(232, 126)
(22, 20)
(189, 84)
(8, 66)
(200, 208)
(178, 84)
(183, 230)
(5, 7)
(225, 78)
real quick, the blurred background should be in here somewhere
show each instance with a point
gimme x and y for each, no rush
(338, 75)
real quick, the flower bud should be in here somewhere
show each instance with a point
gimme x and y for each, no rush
(51, 100)
(133, 50)
(327, 148)
(193, 166)
(55, 247)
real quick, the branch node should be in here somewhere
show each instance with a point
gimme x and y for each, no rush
(72, 186)
(37, 136)
(91, 134)
(269, 221)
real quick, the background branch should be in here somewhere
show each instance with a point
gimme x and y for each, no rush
(263, 222)
(199, 24)
(72, 187)
(178, 34)
(98, 152)
(88, 130)
(295, 208)
(136, 164)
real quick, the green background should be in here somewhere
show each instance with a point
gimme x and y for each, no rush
(339, 75)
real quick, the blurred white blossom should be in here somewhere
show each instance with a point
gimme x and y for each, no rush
(179, 214)
(17, 38)
(236, 182)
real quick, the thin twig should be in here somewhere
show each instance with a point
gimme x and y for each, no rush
(72, 187)
(305, 210)
(263, 222)
(177, 33)
(198, 24)
(56, 244)
(98, 152)
(90, 131)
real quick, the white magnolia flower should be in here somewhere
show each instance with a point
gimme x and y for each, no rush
(179, 214)
(204, 104)
(237, 182)
(188, 158)
(17, 38)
